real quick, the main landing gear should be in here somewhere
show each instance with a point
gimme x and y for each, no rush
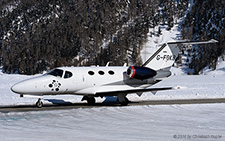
(39, 103)
(122, 99)
(90, 100)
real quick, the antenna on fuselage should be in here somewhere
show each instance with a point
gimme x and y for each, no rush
(108, 63)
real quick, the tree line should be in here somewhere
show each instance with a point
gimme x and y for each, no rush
(38, 35)
(205, 21)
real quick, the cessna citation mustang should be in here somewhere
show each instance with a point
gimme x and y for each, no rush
(91, 82)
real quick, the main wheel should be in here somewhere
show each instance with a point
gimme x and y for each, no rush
(91, 100)
(123, 100)
(39, 103)
(124, 103)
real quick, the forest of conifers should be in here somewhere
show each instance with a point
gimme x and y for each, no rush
(38, 35)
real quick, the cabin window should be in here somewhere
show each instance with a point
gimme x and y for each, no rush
(101, 72)
(56, 72)
(91, 73)
(111, 72)
(68, 74)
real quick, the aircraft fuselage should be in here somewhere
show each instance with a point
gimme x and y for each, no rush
(79, 80)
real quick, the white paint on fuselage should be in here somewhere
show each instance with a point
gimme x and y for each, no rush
(81, 81)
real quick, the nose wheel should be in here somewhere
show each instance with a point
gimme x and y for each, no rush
(39, 103)
(90, 100)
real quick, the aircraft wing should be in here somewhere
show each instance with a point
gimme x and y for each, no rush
(115, 90)
(153, 90)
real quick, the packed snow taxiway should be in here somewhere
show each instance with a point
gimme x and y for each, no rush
(112, 102)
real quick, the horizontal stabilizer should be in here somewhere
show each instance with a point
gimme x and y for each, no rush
(194, 42)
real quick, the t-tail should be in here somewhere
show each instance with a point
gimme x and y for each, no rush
(165, 56)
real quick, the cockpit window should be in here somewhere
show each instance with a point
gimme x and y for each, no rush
(68, 74)
(56, 72)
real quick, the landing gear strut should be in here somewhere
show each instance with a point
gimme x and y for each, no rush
(90, 100)
(39, 103)
(122, 99)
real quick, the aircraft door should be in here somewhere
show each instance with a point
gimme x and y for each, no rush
(68, 83)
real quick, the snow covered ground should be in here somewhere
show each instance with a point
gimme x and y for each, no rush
(153, 122)
(154, 41)
(174, 122)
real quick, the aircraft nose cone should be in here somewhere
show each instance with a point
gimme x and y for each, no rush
(17, 88)
(34, 86)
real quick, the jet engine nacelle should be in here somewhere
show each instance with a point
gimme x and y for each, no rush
(140, 72)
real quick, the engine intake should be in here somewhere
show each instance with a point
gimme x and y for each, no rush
(140, 72)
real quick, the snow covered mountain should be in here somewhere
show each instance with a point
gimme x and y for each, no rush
(39, 35)
(206, 20)
(36, 36)
(197, 24)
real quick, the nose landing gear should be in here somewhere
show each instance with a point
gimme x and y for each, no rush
(90, 100)
(39, 103)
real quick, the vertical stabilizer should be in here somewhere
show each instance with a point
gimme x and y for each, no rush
(165, 56)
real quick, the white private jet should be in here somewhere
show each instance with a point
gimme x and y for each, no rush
(91, 82)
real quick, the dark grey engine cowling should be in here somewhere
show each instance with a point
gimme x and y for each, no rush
(140, 72)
